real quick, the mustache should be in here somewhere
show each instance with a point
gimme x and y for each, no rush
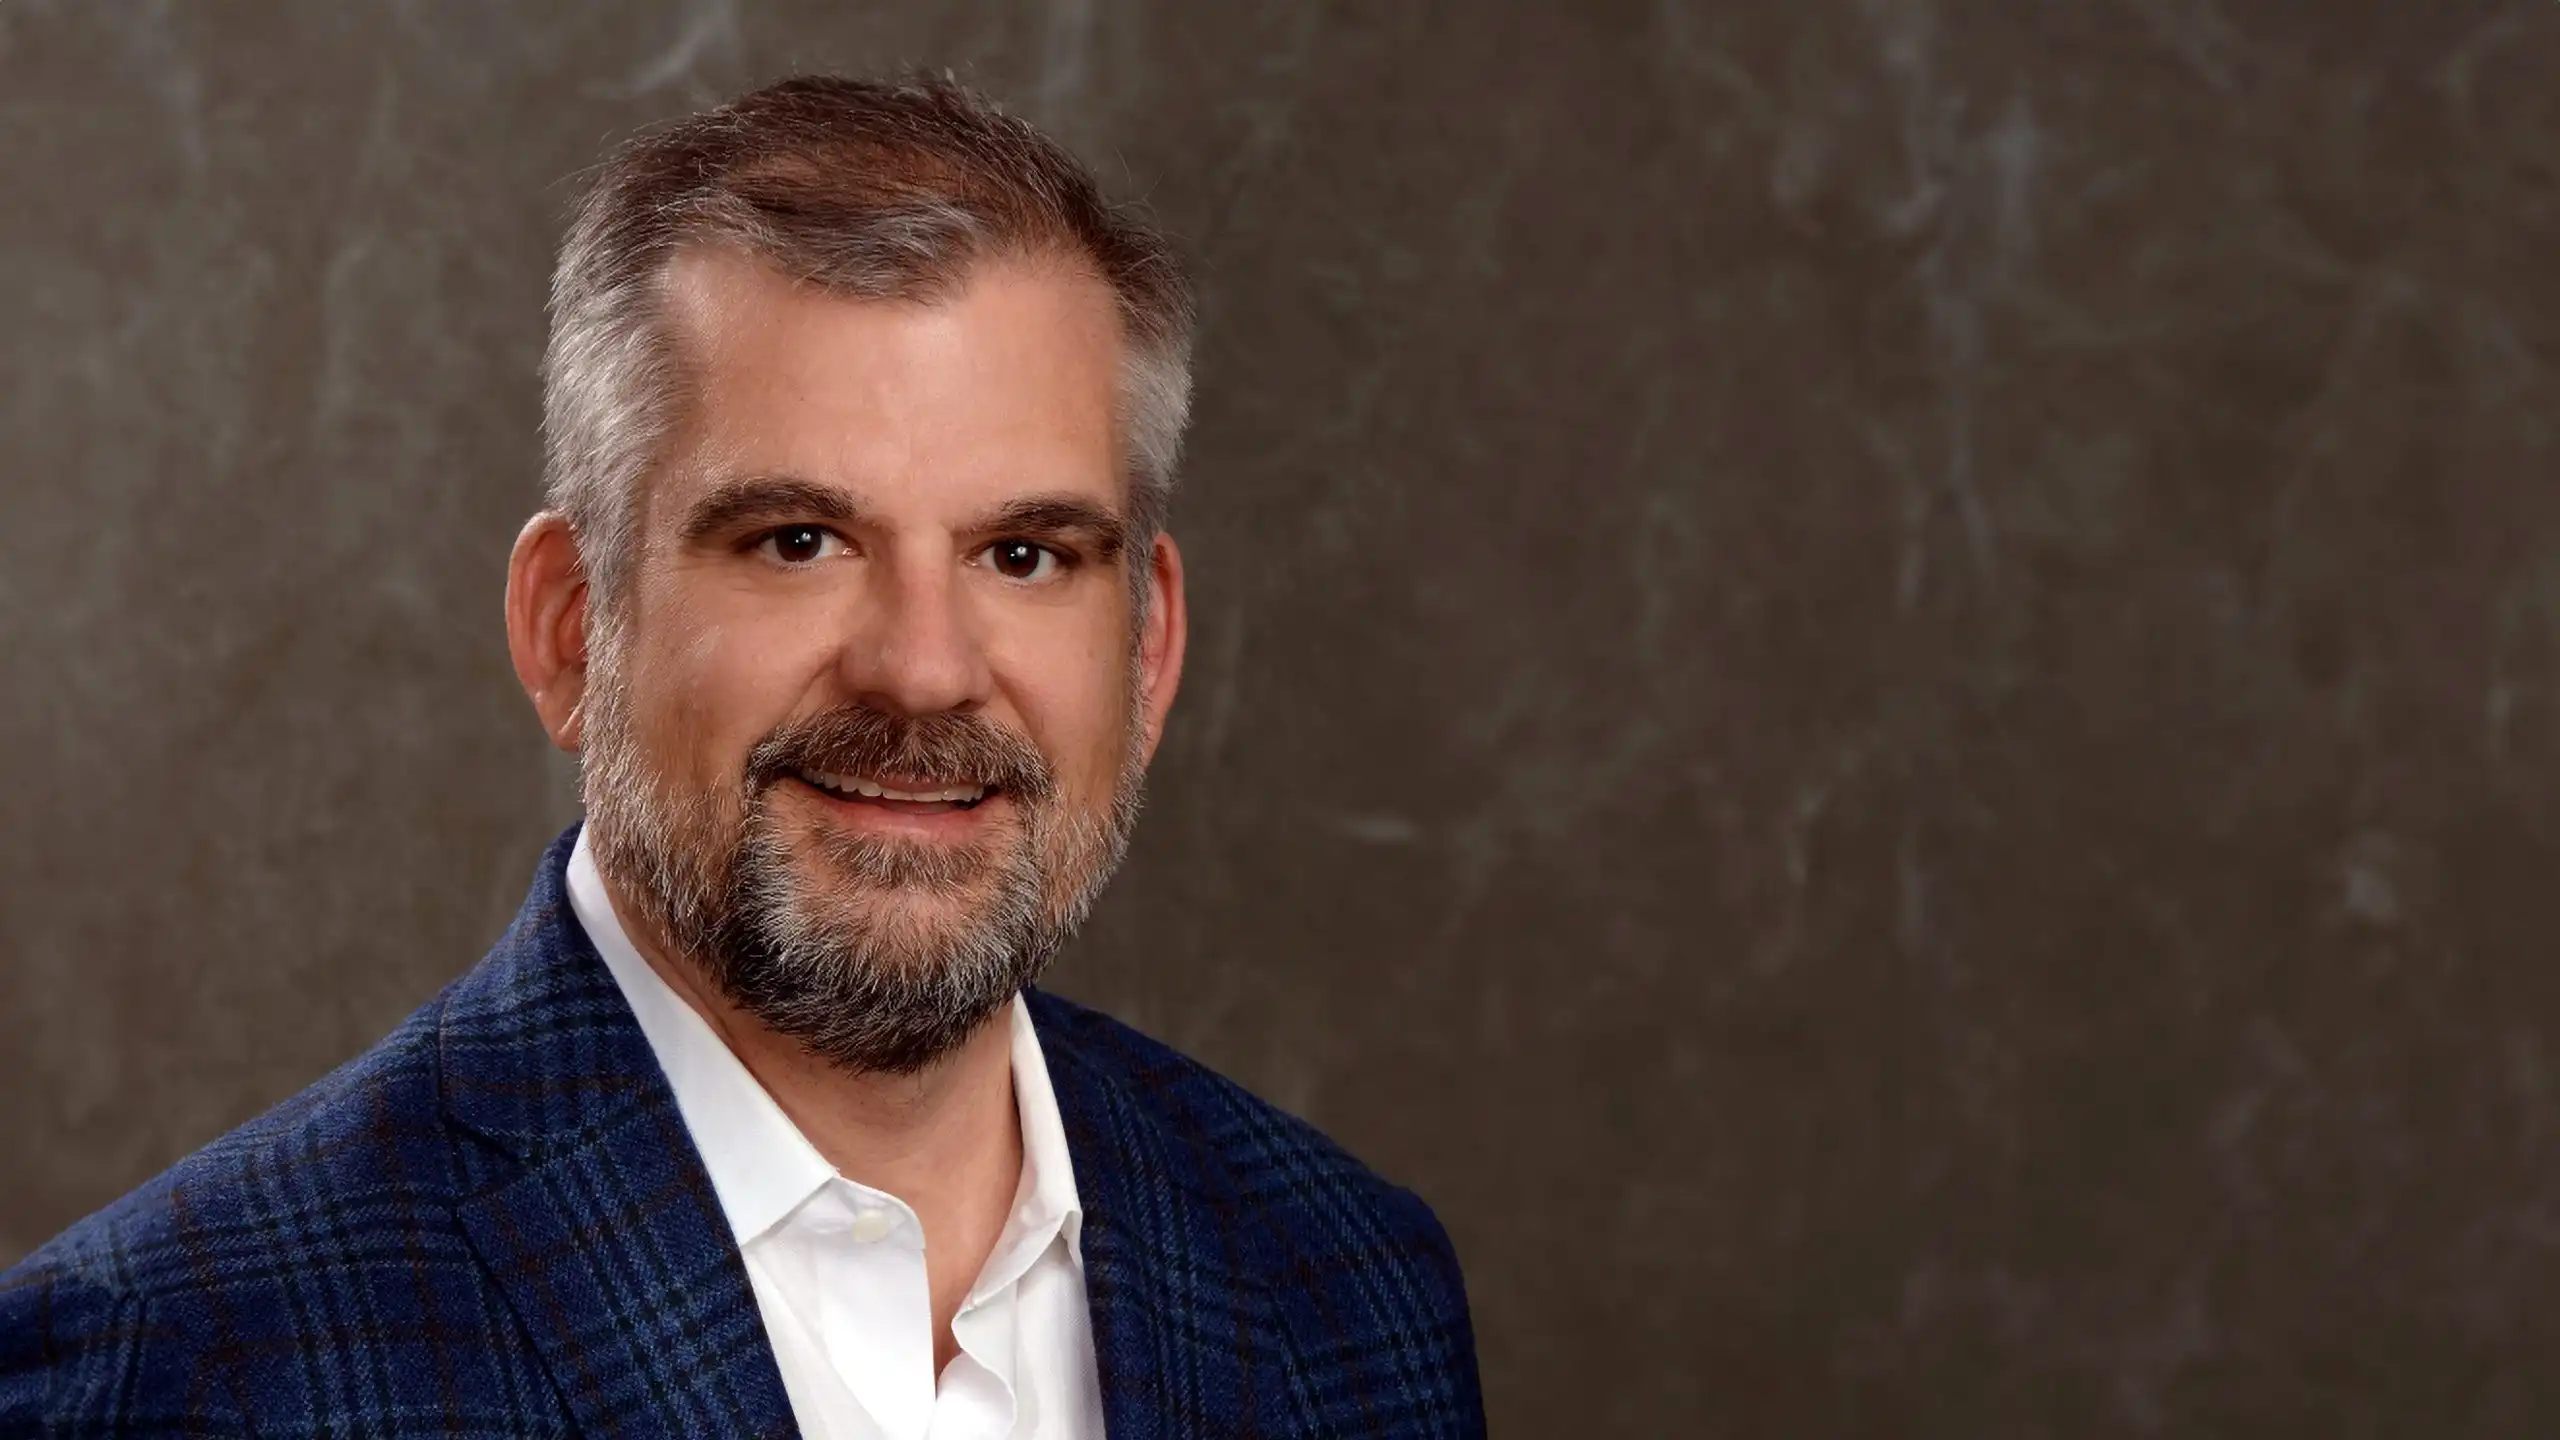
(957, 747)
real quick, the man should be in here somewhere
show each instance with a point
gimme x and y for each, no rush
(853, 597)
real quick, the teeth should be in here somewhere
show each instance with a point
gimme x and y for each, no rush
(858, 785)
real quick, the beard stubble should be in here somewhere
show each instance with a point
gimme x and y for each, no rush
(877, 955)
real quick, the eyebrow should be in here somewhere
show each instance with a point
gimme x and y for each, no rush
(736, 503)
(1058, 515)
(733, 503)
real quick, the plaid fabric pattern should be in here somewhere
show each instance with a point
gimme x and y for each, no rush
(493, 1223)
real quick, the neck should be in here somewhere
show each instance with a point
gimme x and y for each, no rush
(946, 1140)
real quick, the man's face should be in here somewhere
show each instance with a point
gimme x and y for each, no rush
(865, 735)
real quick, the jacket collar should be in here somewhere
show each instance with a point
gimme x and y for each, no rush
(594, 1215)
(1186, 1336)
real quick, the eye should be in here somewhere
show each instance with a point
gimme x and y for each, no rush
(800, 544)
(1022, 560)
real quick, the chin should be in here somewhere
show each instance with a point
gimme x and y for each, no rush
(895, 916)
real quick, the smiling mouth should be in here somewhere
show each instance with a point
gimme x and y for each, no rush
(901, 794)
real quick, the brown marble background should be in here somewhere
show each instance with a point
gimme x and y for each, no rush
(1878, 681)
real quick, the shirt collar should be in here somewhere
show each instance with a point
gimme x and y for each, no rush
(1046, 1204)
(761, 1166)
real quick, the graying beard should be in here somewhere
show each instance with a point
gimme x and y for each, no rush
(857, 991)
(854, 991)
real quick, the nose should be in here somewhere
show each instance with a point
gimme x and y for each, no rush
(915, 650)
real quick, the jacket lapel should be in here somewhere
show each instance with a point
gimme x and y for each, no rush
(589, 1206)
(1186, 1338)
(592, 1213)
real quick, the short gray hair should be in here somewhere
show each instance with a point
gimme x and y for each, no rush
(887, 190)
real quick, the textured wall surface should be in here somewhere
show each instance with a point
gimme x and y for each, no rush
(1877, 681)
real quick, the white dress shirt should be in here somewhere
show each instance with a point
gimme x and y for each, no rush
(838, 1267)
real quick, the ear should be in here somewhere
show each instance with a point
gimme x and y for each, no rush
(1168, 631)
(547, 624)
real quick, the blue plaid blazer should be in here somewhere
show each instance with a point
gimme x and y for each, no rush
(493, 1223)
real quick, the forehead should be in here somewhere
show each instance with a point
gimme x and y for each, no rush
(1008, 384)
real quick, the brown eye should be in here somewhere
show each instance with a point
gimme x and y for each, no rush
(1021, 560)
(797, 544)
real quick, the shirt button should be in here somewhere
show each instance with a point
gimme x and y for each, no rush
(869, 1226)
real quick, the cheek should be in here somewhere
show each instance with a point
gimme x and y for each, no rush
(1076, 709)
(704, 693)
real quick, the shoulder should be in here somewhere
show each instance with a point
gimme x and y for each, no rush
(1321, 1204)
(224, 1247)
(340, 1157)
